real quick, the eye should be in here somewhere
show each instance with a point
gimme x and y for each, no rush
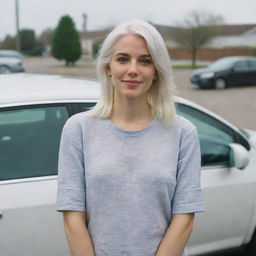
(145, 61)
(122, 60)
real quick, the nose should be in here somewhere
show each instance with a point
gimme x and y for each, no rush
(133, 69)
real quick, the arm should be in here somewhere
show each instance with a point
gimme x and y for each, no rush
(71, 193)
(78, 237)
(177, 235)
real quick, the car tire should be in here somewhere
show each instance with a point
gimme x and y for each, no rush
(220, 84)
(4, 70)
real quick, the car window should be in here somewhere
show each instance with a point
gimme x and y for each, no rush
(214, 136)
(22, 116)
(241, 65)
(252, 64)
(86, 106)
(29, 141)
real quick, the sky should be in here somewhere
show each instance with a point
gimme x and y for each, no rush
(42, 14)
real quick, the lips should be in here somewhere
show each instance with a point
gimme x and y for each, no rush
(132, 82)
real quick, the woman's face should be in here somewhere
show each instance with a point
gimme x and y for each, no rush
(131, 67)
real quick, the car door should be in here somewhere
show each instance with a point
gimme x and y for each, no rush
(228, 193)
(241, 74)
(29, 142)
(252, 64)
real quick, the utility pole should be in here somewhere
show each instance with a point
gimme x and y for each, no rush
(17, 25)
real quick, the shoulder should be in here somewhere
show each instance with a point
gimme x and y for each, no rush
(78, 121)
(183, 125)
(83, 122)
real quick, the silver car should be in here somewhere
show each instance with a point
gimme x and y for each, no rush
(33, 110)
(11, 62)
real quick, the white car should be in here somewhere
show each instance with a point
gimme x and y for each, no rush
(33, 110)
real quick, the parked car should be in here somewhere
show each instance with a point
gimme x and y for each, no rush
(11, 53)
(225, 72)
(33, 110)
(11, 62)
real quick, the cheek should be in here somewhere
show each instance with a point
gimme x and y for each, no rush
(117, 72)
(151, 74)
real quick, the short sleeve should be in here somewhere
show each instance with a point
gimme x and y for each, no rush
(188, 195)
(71, 178)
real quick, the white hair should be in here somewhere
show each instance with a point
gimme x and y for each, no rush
(161, 93)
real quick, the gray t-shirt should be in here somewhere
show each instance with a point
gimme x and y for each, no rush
(128, 182)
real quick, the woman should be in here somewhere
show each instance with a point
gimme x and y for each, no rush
(129, 169)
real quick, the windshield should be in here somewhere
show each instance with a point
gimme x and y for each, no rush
(222, 63)
(10, 54)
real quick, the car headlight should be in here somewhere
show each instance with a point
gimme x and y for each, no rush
(207, 75)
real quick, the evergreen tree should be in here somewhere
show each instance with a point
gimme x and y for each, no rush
(66, 44)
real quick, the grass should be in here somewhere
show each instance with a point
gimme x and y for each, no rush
(187, 66)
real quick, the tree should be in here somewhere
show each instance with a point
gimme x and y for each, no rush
(197, 30)
(29, 43)
(27, 40)
(46, 37)
(9, 43)
(66, 44)
(96, 47)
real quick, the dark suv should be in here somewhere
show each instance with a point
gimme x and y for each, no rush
(228, 71)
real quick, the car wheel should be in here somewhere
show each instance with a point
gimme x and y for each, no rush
(220, 84)
(4, 70)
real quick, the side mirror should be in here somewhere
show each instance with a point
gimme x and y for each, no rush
(239, 156)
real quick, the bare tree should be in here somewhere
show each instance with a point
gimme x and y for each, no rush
(46, 36)
(197, 30)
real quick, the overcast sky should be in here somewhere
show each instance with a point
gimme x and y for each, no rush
(40, 14)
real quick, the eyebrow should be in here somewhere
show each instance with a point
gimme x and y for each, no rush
(127, 55)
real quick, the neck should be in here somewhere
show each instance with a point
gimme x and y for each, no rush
(131, 110)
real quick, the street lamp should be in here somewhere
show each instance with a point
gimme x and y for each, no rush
(17, 25)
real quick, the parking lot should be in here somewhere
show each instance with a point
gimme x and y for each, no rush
(237, 105)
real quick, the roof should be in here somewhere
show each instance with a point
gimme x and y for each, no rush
(170, 31)
(23, 88)
(97, 34)
(166, 31)
(234, 29)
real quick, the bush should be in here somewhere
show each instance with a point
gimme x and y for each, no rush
(37, 51)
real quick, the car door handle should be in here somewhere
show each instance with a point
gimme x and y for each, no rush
(1, 214)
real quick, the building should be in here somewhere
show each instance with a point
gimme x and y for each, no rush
(227, 36)
(234, 36)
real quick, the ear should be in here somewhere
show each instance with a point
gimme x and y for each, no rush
(107, 70)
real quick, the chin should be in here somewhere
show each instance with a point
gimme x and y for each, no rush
(133, 95)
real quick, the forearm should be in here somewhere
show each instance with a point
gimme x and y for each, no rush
(78, 237)
(176, 236)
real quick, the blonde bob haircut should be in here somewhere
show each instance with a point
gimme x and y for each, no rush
(161, 93)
